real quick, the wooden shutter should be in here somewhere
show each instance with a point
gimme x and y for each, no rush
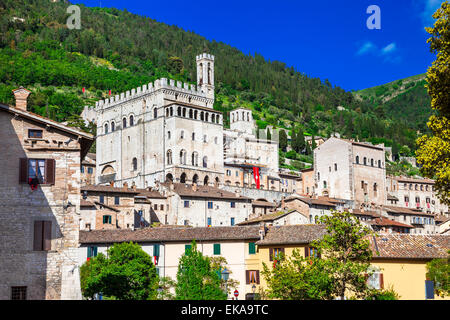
(257, 276)
(50, 171)
(306, 252)
(23, 170)
(37, 242)
(247, 276)
(271, 254)
(381, 281)
(47, 235)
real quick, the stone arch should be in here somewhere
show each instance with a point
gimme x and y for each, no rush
(195, 179)
(108, 170)
(113, 126)
(169, 177)
(106, 128)
(183, 178)
(183, 156)
(217, 181)
(124, 123)
(206, 181)
(131, 120)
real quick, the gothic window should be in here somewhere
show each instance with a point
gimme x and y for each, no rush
(202, 116)
(167, 112)
(213, 118)
(195, 114)
(134, 164)
(179, 111)
(205, 162)
(371, 162)
(190, 113)
(124, 123)
(106, 128)
(168, 135)
(183, 156)
(357, 159)
(195, 158)
(131, 121)
(183, 178)
(209, 74)
(182, 134)
(155, 113)
(205, 138)
(113, 126)
(193, 136)
(205, 181)
(379, 163)
(169, 157)
(207, 117)
(365, 161)
(184, 112)
(171, 111)
(195, 178)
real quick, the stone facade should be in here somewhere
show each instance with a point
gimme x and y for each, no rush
(39, 225)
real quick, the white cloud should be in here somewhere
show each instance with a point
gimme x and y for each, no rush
(366, 48)
(390, 48)
(429, 7)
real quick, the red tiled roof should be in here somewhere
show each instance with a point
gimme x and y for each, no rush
(180, 234)
(408, 246)
(152, 194)
(292, 234)
(186, 190)
(100, 188)
(382, 221)
(409, 211)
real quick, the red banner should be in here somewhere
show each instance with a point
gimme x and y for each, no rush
(256, 176)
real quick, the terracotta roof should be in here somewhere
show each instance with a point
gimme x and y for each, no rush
(412, 180)
(332, 200)
(290, 176)
(292, 234)
(181, 234)
(267, 217)
(408, 246)
(359, 212)
(260, 203)
(390, 197)
(85, 203)
(409, 211)
(186, 190)
(152, 194)
(441, 219)
(382, 221)
(99, 188)
(310, 201)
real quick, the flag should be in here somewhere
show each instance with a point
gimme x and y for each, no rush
(256, 176)
(109, 92)
(83, 89)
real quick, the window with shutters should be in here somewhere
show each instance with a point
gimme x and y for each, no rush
(91, 251)
(210, 205)
(251, 248)
(156, 250)
(37, 171)
(101, 199)
(375, 281)
(106, 219)
(252, 277)
(216, 248)
(19, 293)
(90, 170)
(232, 221)
(117, 200)
(312, 252)
(275, 253)
(42, 235)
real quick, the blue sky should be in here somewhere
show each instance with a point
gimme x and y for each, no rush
(325, 39)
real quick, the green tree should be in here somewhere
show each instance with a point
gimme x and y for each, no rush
(438, 270)
(283, 140)
(196, 278)
(127, 273)
(434, 151)
(339, 267)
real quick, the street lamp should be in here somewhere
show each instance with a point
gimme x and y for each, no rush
(225, 275)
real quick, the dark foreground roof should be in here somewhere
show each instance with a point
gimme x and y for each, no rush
(174, 234)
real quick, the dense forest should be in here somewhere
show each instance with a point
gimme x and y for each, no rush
(116, 50)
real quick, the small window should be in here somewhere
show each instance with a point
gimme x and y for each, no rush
(117, 200)
(335, 167)
(90, 170)
(131, 121)
(161, 207)
(91, 251)
(357, 159)
(216, 248)
(365, 160)
(106, 219)
(232, 221)
(18, 293)
(82, 169)
(186, 203)
(155, 207)
(210, 205)
(113, 126)
(251, 248)
(233, 204)
(101, 199)
(34, 134)
(124, 123)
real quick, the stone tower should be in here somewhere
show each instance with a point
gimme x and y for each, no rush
(205, 74)
(241, 119)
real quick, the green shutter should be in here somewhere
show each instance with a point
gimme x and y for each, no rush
(216, 248)
(156, 250)
(187, 249)
(251, 248)
(89, 253)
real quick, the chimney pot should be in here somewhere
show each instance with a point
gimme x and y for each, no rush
(21, 96)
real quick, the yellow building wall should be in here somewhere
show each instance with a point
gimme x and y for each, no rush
(407, 277)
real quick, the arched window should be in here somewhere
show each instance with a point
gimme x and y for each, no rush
(195, 114)
(113, 126)
(155, 113)
(357, 159)
(167, 112)
(365, 160)
(183, 178)
(205, 162)
(190, 114)
(182, 134)
(169, 177)
(207, 117)
(184, 112)
(169, 157)
(106, 128)
(193, 136)
(232, 117)
(202, 116)
(183, 156)
(131, 121)
(134, 164)
(171, 111)
(168, 135)
(213, 118)
(124, 123)
(371, 162)
(195, 158)
(379, 163)
(179, 111)
(205, 181)
(195, 179)
(217, 119)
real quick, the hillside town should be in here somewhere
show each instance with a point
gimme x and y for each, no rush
(166, 172)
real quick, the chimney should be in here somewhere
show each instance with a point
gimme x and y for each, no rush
(21, 96)
(262, 231)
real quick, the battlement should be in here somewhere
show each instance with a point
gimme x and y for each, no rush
(150, 88)
(205, 56)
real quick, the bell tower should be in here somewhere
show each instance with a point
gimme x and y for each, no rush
(205, 74)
